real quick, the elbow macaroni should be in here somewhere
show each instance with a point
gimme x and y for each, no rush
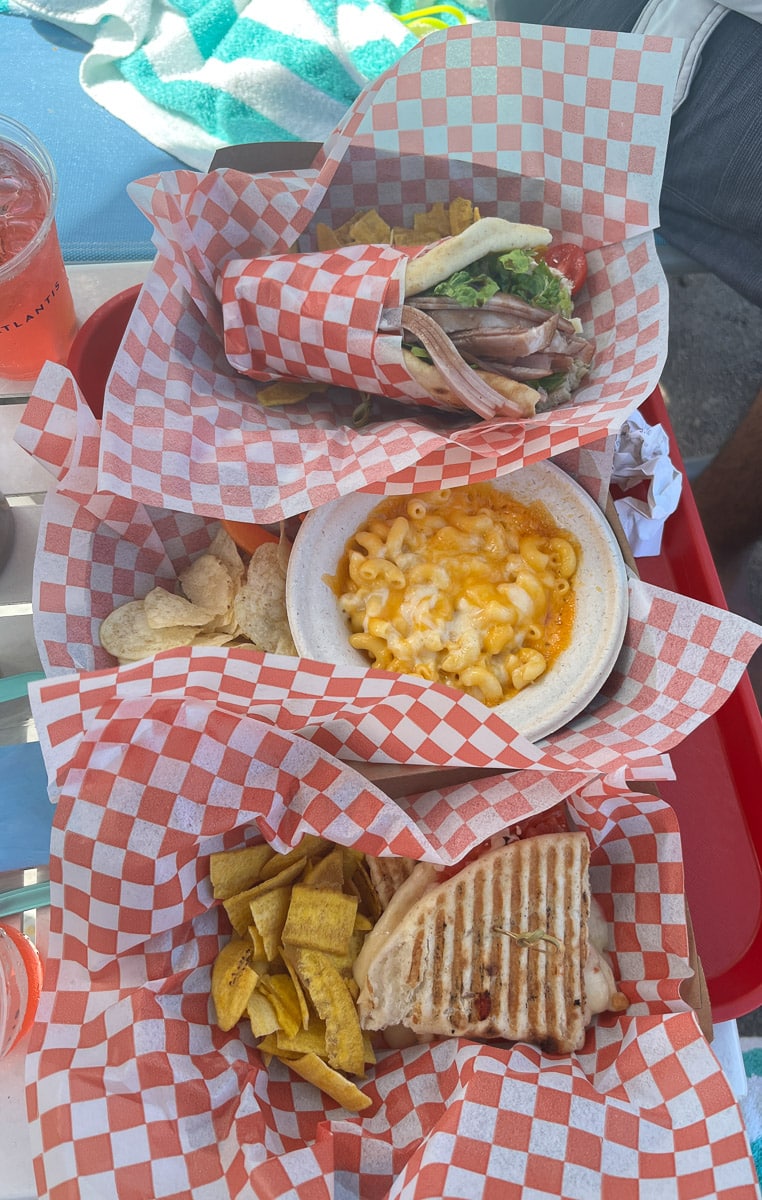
(467, 587)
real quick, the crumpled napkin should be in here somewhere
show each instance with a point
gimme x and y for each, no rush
(642, 452)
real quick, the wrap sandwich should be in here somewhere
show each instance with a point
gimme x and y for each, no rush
(480, 321)
(512, 946)
(487, 321)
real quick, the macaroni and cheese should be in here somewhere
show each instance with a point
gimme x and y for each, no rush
(467, 587)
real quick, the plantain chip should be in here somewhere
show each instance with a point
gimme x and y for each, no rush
(310, 1040)
(260, 954)
(285, 955)
(342, 1090)
(363, 886)
(233, 981)
(238, 907)
(261, 1014)
(299, 998)
(320, 920)
(311, 846)
(332, 1001)
(233, 871)
(326, 874)
(268, 911)
(280, 991)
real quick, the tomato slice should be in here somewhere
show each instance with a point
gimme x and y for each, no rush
(571, 261)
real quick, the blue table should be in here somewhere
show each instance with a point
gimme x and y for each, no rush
(96, 155)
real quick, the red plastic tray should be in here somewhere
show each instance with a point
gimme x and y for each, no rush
(718, 788)
(719, 767)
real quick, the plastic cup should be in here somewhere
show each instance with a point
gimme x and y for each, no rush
(94, 348)
(20, 985)
(37, 318)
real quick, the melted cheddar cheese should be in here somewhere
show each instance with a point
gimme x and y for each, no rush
(467, 587)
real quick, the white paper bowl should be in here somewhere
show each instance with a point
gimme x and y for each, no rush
(320, 630)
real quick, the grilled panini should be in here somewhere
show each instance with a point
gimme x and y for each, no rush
(499, 950)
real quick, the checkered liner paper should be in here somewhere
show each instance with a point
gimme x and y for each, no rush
(679, 663)
(558, 127)
(133, 1092)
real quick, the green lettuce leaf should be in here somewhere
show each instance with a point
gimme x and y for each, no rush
(517, 272)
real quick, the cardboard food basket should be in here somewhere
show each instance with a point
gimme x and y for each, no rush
(561, 128)
(132, 1091)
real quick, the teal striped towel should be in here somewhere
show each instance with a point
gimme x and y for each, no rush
(751, 1105)
(194, 75)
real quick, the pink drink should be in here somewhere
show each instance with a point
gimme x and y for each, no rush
(37, 320)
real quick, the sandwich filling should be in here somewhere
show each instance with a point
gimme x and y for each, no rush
(501, 309)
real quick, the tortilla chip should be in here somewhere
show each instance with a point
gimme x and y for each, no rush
(208, 583)
(370, 229)
(287, 392)
(126, 634)
(326, 238)
(260, 605)
(164, 609)
(224, 548)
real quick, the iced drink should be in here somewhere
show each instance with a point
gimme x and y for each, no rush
(37, 320)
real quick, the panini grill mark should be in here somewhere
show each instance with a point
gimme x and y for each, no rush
(543, 1010)
(388, 875)
(558, 886)
(438, 957)
(477, 980)
(462, 930)
(417, 962)
(494, 913)
(516, 998)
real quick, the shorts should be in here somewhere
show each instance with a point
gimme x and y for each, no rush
(711, 198)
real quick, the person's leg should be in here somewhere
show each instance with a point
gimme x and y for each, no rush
(728, 491)
(729, 500)
(711, 199)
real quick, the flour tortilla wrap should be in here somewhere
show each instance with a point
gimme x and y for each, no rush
(492, 355)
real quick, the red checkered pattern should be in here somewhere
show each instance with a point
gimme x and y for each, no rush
(680, 659)
(318, 317)
(564, 128)
(132, 1091)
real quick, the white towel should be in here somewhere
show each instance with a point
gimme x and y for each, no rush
(195, 75)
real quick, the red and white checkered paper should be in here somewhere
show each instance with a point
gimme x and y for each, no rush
(133, 1092)
(320, 317)
(679, 662)
(565, 128)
